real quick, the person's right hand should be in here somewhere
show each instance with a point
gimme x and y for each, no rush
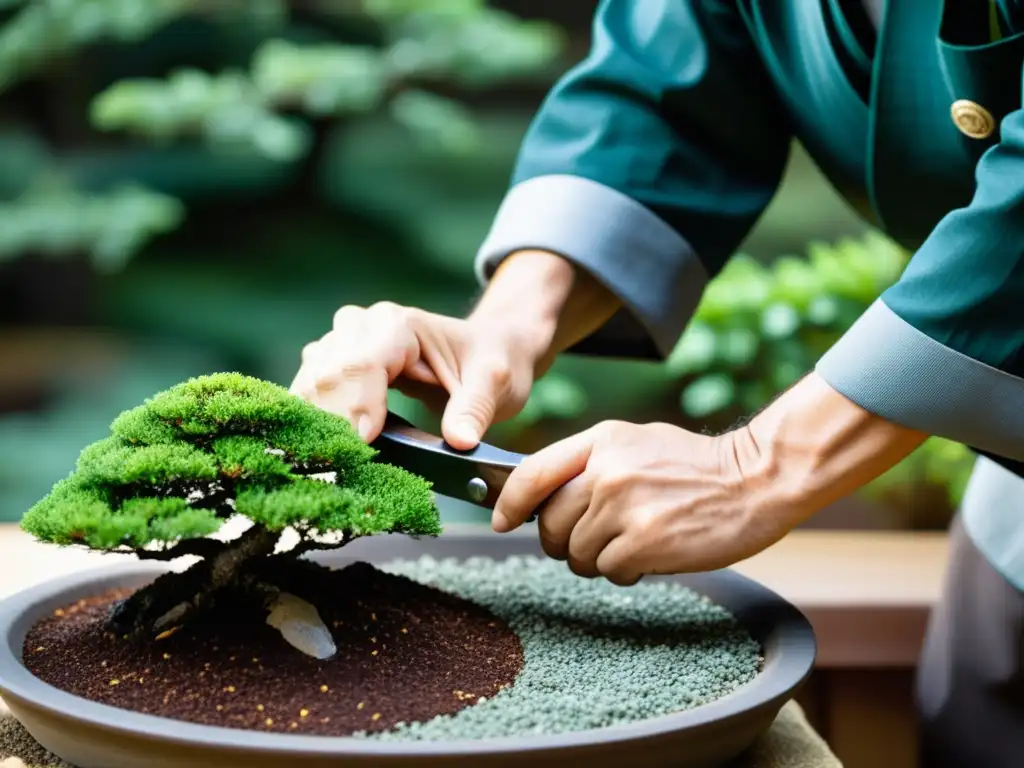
(475, 372)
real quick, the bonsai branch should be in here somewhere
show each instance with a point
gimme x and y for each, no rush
(198, 547)
(311, 468)
(310, 545)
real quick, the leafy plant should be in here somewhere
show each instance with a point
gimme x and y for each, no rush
(176, 468)
(760, 328)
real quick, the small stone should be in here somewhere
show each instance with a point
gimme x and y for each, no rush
(168, 632)
(324, 689)
(301, 626)
(115, 681)
(622, 677)
(375, 716)
(173, 616)
(229, 689)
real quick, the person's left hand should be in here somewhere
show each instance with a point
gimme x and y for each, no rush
(623, 500)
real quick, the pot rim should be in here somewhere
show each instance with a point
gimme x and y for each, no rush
(787, 639)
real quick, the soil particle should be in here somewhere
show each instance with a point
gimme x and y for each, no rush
(406, 653)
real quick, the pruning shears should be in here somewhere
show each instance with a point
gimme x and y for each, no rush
(476, 475)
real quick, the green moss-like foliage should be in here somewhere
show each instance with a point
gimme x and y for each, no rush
(176, 467)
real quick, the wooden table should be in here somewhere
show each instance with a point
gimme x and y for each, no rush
(867, 594)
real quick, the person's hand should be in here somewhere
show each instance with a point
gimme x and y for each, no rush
(475, 371)
(622, 500)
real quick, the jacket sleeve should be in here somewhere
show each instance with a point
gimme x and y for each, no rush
(647, 164)
(942, 350)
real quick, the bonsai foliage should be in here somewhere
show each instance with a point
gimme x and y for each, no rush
(177, 467)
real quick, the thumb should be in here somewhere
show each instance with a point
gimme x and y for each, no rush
(473, 403)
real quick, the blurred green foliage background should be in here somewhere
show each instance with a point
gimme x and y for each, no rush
(189, 186)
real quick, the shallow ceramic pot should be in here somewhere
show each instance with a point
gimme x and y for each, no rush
(91, 735)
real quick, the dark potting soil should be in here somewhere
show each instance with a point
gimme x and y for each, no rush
(406, 652)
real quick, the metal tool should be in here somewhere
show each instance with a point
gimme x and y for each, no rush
(476, 476)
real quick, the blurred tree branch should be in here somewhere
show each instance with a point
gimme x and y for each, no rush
(282, 106)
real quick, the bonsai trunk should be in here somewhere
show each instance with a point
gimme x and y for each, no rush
(173, 598)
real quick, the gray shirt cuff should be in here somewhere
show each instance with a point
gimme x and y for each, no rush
(895, 371)
(629, 249)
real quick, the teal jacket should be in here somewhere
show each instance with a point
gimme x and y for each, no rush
(650, 161)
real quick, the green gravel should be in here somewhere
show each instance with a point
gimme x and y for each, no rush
(595, 654)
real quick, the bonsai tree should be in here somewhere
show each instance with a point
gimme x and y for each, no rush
(177, 467)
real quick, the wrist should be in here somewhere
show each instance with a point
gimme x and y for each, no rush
(523, 302)
(813, 446)
(529, 287)
(544, 303)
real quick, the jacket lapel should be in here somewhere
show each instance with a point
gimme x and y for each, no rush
(920, 164)
(909, 123)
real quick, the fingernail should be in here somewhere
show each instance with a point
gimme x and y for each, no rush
(499, 522)
(365, 426)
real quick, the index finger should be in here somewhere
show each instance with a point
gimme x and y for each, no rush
(352, 373)
(539, 476)
(302, 384)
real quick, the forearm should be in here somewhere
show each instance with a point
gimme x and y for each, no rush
(545, 297)
(813, 446)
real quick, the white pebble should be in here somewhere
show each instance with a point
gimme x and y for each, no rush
(301, 626)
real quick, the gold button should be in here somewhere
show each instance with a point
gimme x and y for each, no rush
(972, 119)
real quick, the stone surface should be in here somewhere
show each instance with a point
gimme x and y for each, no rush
(300, 625)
